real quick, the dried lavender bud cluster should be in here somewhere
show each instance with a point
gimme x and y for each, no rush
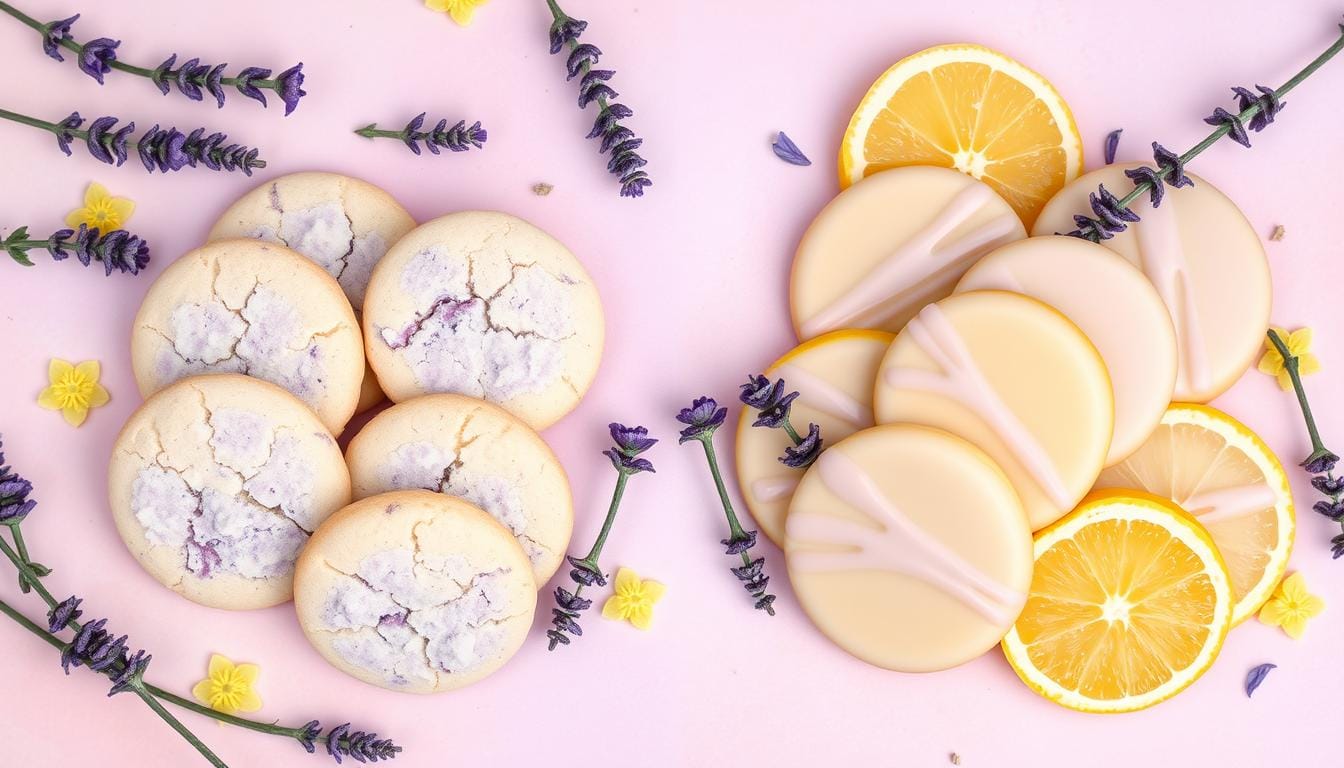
(118, 250)
(458, 138)
(772, 403)
(96, 648)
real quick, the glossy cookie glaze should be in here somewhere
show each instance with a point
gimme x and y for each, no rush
(244, 306)
(215, 484)
(476, 451)
(484, 304)
(890, 244)
(908, 547)
(414, 591)
(1207, 264)
(1113, 303)
(833, 375)
(1017, 380)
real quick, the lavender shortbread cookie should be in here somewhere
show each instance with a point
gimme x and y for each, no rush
(245, 306)
(414, 591)
(216, 483)
(476, 451)
(484, 304)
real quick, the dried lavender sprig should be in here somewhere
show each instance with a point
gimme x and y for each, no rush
(193, 79)
(1255, 113)
(773, 403)
(13, 495)
(625, 457)
(458, 138)
(625, 162)
(702, 420)
(118, 250)
(1321, 462)
(166, 149)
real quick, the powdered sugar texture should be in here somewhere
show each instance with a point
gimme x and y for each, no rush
(325, 234)
(494, 346)
(262, 338)
(410, 616)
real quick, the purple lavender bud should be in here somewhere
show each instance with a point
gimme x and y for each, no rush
(617, 135)
(632, 185)
(247, 88)
(594, 77)
(702, 418)
(608, 117)
(54, 34)
(334, 746)
(570, 601)
(98, 141)
(97, 56)
(1235, 130)
(1337, 547)
(627, 464)
(565, 622)
(594, 92)
(186, 73)
(131, 673)
(83, 244)
(1112, 144)
(739, 545)
(1268, 101)
(759, 391)
(583, 55)
(65, 131)
(623, 163)
(787, 151)
(57, 242)
(214, 86)
(806, 452)
(289, 84)
(1331, 509)
(565, 31)
(1176, 176)
(163, 73)
(1320, 462)
(65, 612)
(776, 413)
(1330, 486)
(311, 730)
(118, 142)
(585, 574)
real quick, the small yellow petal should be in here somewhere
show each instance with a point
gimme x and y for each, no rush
(438, 5)
(95, 194)
(121, 210)
(98, 396)
(57, 369)
(1299, 341)
(76, 217)
(74, 415)
(614, 608)
(1310, 606)
(248, 701)
(462, 13)
(220, 665)
(89, 369)
(246, 673)
(1285, 381)
(1272, 613)
(1295, 626)
(653, 591)
(1271, 363)
(1294, 588)
(642, 617)
(627, 581)
(1308, 364)
(49, 399)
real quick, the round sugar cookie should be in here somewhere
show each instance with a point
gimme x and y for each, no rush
(414, 591)
(1207, 264)
(833, 375)
(908, 548)
(476, 451)
(1113, 303)
(484, 304)
(245, 306)
(215, 484)
(1017, 380)
(892, 243)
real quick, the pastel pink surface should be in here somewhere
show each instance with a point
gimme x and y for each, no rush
(694, 280)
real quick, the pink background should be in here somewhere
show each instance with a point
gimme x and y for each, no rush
(693, 277)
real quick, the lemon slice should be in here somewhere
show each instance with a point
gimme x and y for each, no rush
(1129, 604)
(969, 108)
(1221, 472)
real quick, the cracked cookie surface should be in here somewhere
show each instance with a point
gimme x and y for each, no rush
(476, 451)
(244, 306)
(414, 591)
(216, 483)
(487, 305)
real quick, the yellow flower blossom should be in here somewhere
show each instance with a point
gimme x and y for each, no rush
(633, 600)
(228, 688)
(74, 389)
(1299, 345)
(101, 210)
(460, 10)
(1291, 607)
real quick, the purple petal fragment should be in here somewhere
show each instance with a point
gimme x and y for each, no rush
(789, 152)
(1257, 676)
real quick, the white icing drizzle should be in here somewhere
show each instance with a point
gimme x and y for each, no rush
(826, 397)
(964, 382)
(1227, 503)
(923, 256)
(1163, 260)
(898, 544)
(768, 489)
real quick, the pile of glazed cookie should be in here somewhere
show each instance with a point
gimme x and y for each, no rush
(228, 485)
(977, 387)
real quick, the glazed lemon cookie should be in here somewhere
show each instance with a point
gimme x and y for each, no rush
(908, 547)
(892, 243)
(342, 224)
(1114, 304)
(833, 375)
(244, 306)
(487, 305)
(414, 591)
(1017, 380)
(476, 451)
(1207, 264)
(215, 484)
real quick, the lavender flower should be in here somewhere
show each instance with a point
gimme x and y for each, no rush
(54, 36)
(630, 442)
(65, 612)
(624, 162)
(703, 419)
(458, 138)
(804, 453)
(119, 250)
(288, 86)
(773, 404)
(14, 502)
(361, 746)
(96, 648)
(96, 57)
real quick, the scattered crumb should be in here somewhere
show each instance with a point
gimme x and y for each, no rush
(542, 189)
(954, 758)
(1277, 234)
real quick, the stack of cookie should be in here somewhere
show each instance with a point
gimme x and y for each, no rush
(228, 485)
